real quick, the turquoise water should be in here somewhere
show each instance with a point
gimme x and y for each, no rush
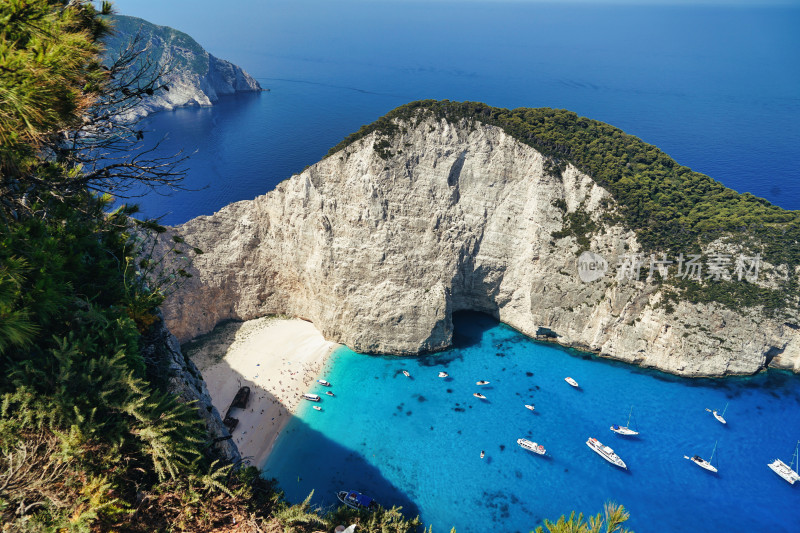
(417, 442)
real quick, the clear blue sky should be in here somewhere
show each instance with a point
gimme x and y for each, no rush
(223, 27)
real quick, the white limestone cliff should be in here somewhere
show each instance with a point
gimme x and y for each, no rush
(194, 77)
(379, 253)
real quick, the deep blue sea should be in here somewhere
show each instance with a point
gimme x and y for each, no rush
(717, 88)
(416, 441)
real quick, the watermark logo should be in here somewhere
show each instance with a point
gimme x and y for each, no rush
(632, 267)
(591, 267)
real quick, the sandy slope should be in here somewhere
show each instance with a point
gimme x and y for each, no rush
(277, 358)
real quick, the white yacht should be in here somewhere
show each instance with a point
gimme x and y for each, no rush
(605, 452)
(531, 446)
(323, 382)
(482, 382)
(626, 429)
(571, 382)
(479, 395)
(444, 375)
(786, 471)
(406, 374)
(719, 416)
(311, 397)
(702, 463)
(530, 407)
(317, 407)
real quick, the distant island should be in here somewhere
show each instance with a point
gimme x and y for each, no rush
(445, 206)
(194, 76)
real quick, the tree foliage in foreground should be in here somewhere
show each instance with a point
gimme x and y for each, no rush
(609, 522)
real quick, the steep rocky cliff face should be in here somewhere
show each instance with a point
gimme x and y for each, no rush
(381, 242)
(184, 380)
(194, 76)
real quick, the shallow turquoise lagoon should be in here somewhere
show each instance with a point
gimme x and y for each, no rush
(416, 441)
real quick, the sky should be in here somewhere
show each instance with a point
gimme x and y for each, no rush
(223, 28)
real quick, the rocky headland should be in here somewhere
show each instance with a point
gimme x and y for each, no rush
(194, 76)
(382, 241)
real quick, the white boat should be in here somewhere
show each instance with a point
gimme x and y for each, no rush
(444, 375)
(311, 397)
(323, 382)
(718, 416)
(571, 382)
(317, 407)
(626, 429)
(479, 395)
(786, 471)
(702, 463)
(481, 382)
(531, 407)
(531, 446)
(406, 374)
(329, 393)
(605, 452)
(356, 500)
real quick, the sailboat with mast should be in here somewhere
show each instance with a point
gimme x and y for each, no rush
(787, 472)
(626, 429)
(719, 417)
(702, 463)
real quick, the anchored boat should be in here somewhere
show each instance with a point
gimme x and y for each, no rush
(482, 382)
(323, 382)
(626, 429)
(702, 463)
(605, 452)
(531, 446)
(356, 500)
(786, 471)
(720, 417)
(571, 382)
(530, 407)
(311, 397)
(479, 395)
(444, 375)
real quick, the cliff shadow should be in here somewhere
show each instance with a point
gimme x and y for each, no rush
(303, 458)
(470, 326)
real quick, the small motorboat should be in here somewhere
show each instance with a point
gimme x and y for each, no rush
(317, 407)
(356, 500)
(323, 382)
(786, 471)
(406, 374)
(605, 452)
(329, 393)
(444, 375)
(702, 463)
(531, 407)
(479, 395)
(483, 454)
(625, 430)
(531, 446)
(311, 397)
(571, 382)
(481, 382)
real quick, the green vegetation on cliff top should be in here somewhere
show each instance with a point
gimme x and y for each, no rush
(670, 208)
(668, 205)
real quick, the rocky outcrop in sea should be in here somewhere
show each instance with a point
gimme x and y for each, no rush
(194, 76)
(381, 242)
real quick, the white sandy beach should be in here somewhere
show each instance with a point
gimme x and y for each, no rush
(277, 358)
